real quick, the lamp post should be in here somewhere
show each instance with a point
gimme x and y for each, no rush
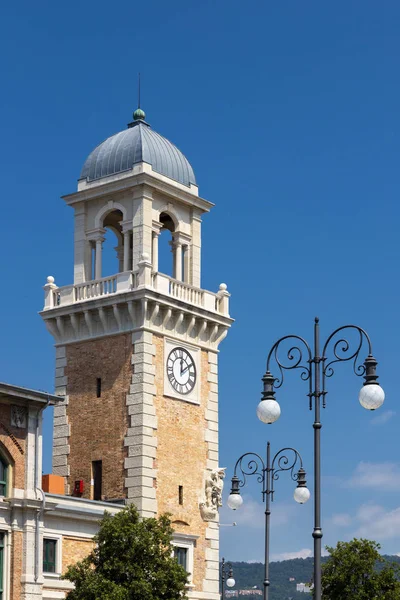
(226, 574)
(267, 473)
(316, 368)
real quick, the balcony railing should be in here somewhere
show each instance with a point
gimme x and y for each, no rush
(130, 280)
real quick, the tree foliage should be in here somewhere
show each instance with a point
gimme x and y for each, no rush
(356, 571)
(132, 560)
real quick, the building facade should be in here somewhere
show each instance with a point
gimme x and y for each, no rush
(40, 533)
(137, 351)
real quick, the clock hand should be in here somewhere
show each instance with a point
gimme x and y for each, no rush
(184, 370)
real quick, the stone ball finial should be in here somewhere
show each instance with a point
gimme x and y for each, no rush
(144, 257)
(223, 287)
(50, 279)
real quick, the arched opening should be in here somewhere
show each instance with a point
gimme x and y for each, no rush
(165, 246)
(113, 247)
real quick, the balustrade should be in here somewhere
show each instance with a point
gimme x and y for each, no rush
(127, 281)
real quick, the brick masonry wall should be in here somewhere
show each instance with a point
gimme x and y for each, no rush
(14, 447)
(98, 425)
(182, 453)
(74, 549)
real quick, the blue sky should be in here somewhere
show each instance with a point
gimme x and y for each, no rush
(289, 114)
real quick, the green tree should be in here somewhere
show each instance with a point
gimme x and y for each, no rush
(356, 571)
(132, 560)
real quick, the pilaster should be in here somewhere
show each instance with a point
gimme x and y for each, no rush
(211, 582)
(61, 430)
(142, 230)
(80, 244)
(196, 250)
(141, 438)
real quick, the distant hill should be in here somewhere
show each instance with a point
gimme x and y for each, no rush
(248, 575)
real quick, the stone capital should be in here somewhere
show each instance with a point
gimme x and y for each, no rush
(181, 238)
(156, 227)
(127, 226)
(96, 235)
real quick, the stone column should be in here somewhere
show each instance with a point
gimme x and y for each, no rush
(154, 251)
(127, 247)
(120, 257)
(157, 226)
(99, 250)
(178, 260)
(186, 263)
(180, 243)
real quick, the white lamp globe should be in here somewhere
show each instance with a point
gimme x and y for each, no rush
(268, 411)
(230, 582)
(371, 396)
(301, 494)
(235, 501)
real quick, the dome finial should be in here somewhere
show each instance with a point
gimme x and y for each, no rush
(139, 114)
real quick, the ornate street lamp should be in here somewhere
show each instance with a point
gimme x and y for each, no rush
(316, 369)
(226, 577)
(267, 473)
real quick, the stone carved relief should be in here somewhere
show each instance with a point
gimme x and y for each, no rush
(213, 494)
(18, 416)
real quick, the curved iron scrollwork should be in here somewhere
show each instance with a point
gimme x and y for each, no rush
(254, 466)
(287, 459)
(295, 358)
(344, 351)
(284, 463)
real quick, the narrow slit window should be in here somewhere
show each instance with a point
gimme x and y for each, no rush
(98, 387)
(97, 471)
(180, 494)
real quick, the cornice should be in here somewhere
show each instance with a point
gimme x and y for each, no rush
(142, 308)
(132, 183)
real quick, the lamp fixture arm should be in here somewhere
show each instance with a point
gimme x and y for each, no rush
(298, 356)
(281, 462)
(343, 351)
(254, 466)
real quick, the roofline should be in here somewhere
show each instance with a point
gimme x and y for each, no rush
(16, 391)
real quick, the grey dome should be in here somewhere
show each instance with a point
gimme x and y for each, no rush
(139, 143)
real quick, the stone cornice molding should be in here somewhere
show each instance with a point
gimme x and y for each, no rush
(133, 183)
(139, 309)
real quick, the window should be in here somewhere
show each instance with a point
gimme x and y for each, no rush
(98, 387)
(97, 470)
(183, 551)
(180, 494)
(3, 477)
(181, 555)
(49, 556)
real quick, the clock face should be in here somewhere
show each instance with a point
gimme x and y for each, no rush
(181, 370)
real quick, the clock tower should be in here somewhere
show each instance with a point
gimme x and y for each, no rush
(137, 351)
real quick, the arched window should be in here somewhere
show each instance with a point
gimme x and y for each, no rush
(165, 259)
(3, 476)
(113, 252)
